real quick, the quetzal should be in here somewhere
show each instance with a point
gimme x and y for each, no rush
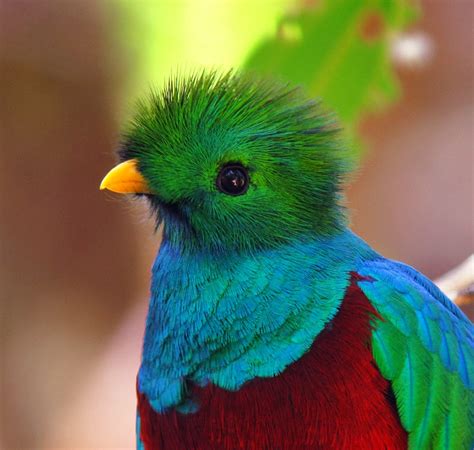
(271, 325)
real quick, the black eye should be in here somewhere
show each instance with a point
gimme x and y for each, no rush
(233, 179)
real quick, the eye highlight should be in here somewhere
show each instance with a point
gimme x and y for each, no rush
(233, 179)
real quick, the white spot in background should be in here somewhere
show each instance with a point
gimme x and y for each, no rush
(414, 49)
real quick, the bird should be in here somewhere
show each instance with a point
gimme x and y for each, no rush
(271, 325)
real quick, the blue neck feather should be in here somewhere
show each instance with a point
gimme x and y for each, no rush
(229, 318)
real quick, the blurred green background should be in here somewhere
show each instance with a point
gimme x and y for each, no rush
(75, 263)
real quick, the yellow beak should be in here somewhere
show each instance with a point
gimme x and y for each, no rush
(125, 179)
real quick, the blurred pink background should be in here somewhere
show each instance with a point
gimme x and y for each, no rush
(75, 263)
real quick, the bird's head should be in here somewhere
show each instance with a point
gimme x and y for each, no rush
(233, 162)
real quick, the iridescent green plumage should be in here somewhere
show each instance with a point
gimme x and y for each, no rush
(424, 346)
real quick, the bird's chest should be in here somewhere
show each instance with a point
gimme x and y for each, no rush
(332, 398)
(212, 321)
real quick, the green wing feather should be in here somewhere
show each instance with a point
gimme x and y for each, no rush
(424, 345)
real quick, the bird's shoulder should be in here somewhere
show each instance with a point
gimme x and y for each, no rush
(423, 344)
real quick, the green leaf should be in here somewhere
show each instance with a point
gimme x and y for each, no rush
(339, 51)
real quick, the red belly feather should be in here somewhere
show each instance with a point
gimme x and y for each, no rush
(333, 398)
